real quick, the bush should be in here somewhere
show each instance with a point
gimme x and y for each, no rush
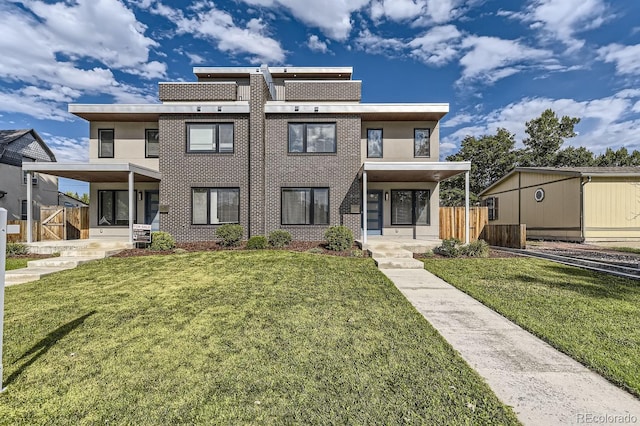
(257, 242)
(279, 238)
(339, 238)
(17, 249)
(230, 235)
(161, 241)
(449, 248)
(478, 248)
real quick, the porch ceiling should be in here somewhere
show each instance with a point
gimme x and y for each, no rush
(413, 171)
(95, 172)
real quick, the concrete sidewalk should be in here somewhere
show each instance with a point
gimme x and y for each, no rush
(544, 386)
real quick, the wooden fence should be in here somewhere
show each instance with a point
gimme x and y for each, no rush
(22, 236)
(452, 222)
(513, 236)
(64, 223)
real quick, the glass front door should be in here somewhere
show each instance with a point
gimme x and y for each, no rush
(151, 216)
(374, 212)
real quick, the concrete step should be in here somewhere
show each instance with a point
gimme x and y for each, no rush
(398, 263)
(397, 253)
(60, 262)
(25, 275)
(95, 253)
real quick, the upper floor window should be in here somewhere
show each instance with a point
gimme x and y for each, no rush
(210, 137)
(312, 137)
(421, 145)
(305, 206)
(211, 206)
(374, 143)
(151, 140)
(410, 207)
(105, 143)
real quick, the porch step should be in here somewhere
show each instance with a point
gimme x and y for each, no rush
(395, 253)
(60, 262)
(94, 253)
(398, 263)
(25, 275)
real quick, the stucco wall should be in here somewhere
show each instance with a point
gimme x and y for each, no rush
(398, 140)
(129, 143)
(45, 193)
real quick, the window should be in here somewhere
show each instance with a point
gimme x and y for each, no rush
(374, 143)
(211, 206)
(421, 145)
(152, 145)
(312, 137)
(105, 143)
(23, 210)
(305, 206)
(410, 207)
(113, 208)
(34, 178)
(210, 137)
(492, 206)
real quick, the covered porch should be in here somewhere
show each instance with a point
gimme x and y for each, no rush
(127, 184)
(401, 200)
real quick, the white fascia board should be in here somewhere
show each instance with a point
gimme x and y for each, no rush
(90, 167)
(166, 108)
(226, 70)
(198, 82)
(462, 166)
(311, 70)
(355, 108)
(321, 81)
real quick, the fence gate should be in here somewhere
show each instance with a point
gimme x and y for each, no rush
(60, 223)
(452, 222)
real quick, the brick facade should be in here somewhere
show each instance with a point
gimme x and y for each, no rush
(322, 90)
(197, 91)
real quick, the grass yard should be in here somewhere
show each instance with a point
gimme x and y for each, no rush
(265, 337)
(625, 249)
(16, 263)
(592, 317)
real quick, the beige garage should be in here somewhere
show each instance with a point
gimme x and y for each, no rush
(571, 204)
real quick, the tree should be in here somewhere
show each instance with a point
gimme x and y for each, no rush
(491, 156)
(573, 157)
(84, 197)
(546, 135)
(619, 158)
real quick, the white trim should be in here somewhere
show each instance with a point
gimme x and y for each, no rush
(353, 108)
(322, 81)
(132, 205)
(198, 82)
(166, 108)
(364, 208)
(91, 167)
(467, 227)
(29, 207)
(226, 70)
(311, 70)
(417, 166)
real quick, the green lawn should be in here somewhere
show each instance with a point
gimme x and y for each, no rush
(593, 317)
(625, 249)
(265, 337)
(16, 263)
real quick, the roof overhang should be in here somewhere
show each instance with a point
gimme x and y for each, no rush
(370, 112)
(152, 112)
(436, 171)
(95, 172)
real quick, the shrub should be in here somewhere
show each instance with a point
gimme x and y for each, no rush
(161, 241)
(229, 234)
(279, 238)
(449, 248)
(478, 248)
(339, 238)
(17, 249)
(257, 242)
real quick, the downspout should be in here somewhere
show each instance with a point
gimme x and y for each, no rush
(582, 184)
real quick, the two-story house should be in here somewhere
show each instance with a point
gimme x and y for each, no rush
(269, 148)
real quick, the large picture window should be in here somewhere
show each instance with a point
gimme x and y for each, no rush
(210, 137)
(305, 206)
(152, 145)
(105, 143)
(113, 208)
(410, 207)
(212, 206)
(421, 144)
(312, 137)
(374, 143)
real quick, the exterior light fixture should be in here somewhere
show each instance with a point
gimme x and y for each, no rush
(296, 108)
(140, 195)
(198, 109)
(315, 109)
(219, 109)
(386, 196)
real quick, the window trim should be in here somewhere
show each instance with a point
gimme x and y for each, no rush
(381, 143)
(217, 141)
(209, 188)
(114, 225)
(146, 143)
(113, 143)
(312, 212)
(415, 130)
(413, 208)
(304, 137)
(492, 211)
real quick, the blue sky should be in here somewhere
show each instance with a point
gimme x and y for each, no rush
(497, 63)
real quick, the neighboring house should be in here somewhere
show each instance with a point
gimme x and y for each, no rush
(570, 204)
(268, 148)
(66, 200)
(16, 147)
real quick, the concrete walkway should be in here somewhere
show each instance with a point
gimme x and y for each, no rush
(544, 386)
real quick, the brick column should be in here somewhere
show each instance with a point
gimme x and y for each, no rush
(259, 95)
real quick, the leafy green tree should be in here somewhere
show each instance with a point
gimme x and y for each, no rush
(574, 157)
(618, 158)
(546, 135)
(84, 197)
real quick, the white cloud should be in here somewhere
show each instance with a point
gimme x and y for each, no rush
(397, 10)
(332, 17)
(68, 150)
(457, 120)
(437, 46)
(21, 103)
(194, 58)
(218, 26)
(317, 45)
(491, 58)
(626, 58)
(442, 11)
(373, 43)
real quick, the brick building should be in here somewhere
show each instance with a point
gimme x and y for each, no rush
(290, 148)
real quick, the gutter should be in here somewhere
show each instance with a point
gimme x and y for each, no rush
(582, 184)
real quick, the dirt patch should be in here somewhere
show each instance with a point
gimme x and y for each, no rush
(299, 246)
(583, 251)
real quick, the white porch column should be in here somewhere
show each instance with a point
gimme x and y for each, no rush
(3, 251)
(29, 209)
(364, 207)
(466, 207)
(132, 206)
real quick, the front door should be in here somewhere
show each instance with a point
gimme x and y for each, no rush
(374, 212)
(151, 216)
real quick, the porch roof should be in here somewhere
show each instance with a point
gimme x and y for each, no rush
(95, 172)
(396, 171)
